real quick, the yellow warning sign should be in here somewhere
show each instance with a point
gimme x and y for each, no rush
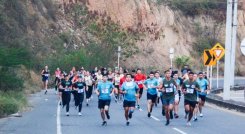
(219, 51)
(209, 57)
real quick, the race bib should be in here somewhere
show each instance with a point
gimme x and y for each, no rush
(129, 84)
(67, 89)
(80, 90)
(105, 91)
(46, 75)
(169, 90)
(150, 85)
(190, 90)
(140, 82)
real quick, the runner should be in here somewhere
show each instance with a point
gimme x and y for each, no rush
(80, 87)
(189, 89)
(205, 88)
(130, 91)
(66, 86)
(98, 77)
(159, 81)
(168, 95)
(133, 73)
(116, 84)
(104, 90)
(57, 78)
(45, 77)
(62, 78)
(110, 76)
(197, 105)
(139, 78)
(151, 85)
(177, 96)
(89, 90)
(74, 86)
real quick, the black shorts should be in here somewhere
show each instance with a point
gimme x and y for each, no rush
(103, 103)
(202, 97)
(153, 98)
(116, 86)
(128, 103)
(44, 79)
(191, 103)
(61, 90)
(141, 91)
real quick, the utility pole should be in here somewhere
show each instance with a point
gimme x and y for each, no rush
(233, 45)
(226, 91)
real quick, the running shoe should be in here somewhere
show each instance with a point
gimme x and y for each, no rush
(104, 123)
(149, 115)
(167, 123)
(130, 115)
(107, 115)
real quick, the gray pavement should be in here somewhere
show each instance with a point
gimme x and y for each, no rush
(43, 119)
(238, 81)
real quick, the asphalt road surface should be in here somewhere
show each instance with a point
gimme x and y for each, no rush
(238, 81)
(46, 117)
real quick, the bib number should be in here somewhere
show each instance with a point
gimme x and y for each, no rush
(169, 90)
(105, 91)
(80, 90)
(190, 90)
(67, 89)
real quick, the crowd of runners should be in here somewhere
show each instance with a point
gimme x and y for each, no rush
(124, 85)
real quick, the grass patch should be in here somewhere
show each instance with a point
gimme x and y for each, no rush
(11, 102)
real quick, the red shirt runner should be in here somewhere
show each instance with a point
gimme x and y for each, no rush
(139, 79)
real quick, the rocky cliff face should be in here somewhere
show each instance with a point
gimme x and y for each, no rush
(160, 28)
(163, 28)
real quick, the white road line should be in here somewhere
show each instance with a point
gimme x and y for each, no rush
(155, 118)
(180, 131)
(58, 119)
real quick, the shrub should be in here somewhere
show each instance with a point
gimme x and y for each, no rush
(11, 102)
(181, 61)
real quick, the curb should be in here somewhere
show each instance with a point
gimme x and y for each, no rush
(229, 104)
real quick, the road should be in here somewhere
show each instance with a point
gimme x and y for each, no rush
(46, 117)
(238, 81)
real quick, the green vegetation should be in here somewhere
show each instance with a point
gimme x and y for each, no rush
(11, 86)
(101, 38)
(181, 61)
(11, 102)
(206, 38)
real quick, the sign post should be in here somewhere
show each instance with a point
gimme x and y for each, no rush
(211, 77)
(219, 52)
(217, 78)
(171, 56)
(118, 56)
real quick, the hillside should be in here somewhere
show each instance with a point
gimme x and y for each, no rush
(64, 33)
